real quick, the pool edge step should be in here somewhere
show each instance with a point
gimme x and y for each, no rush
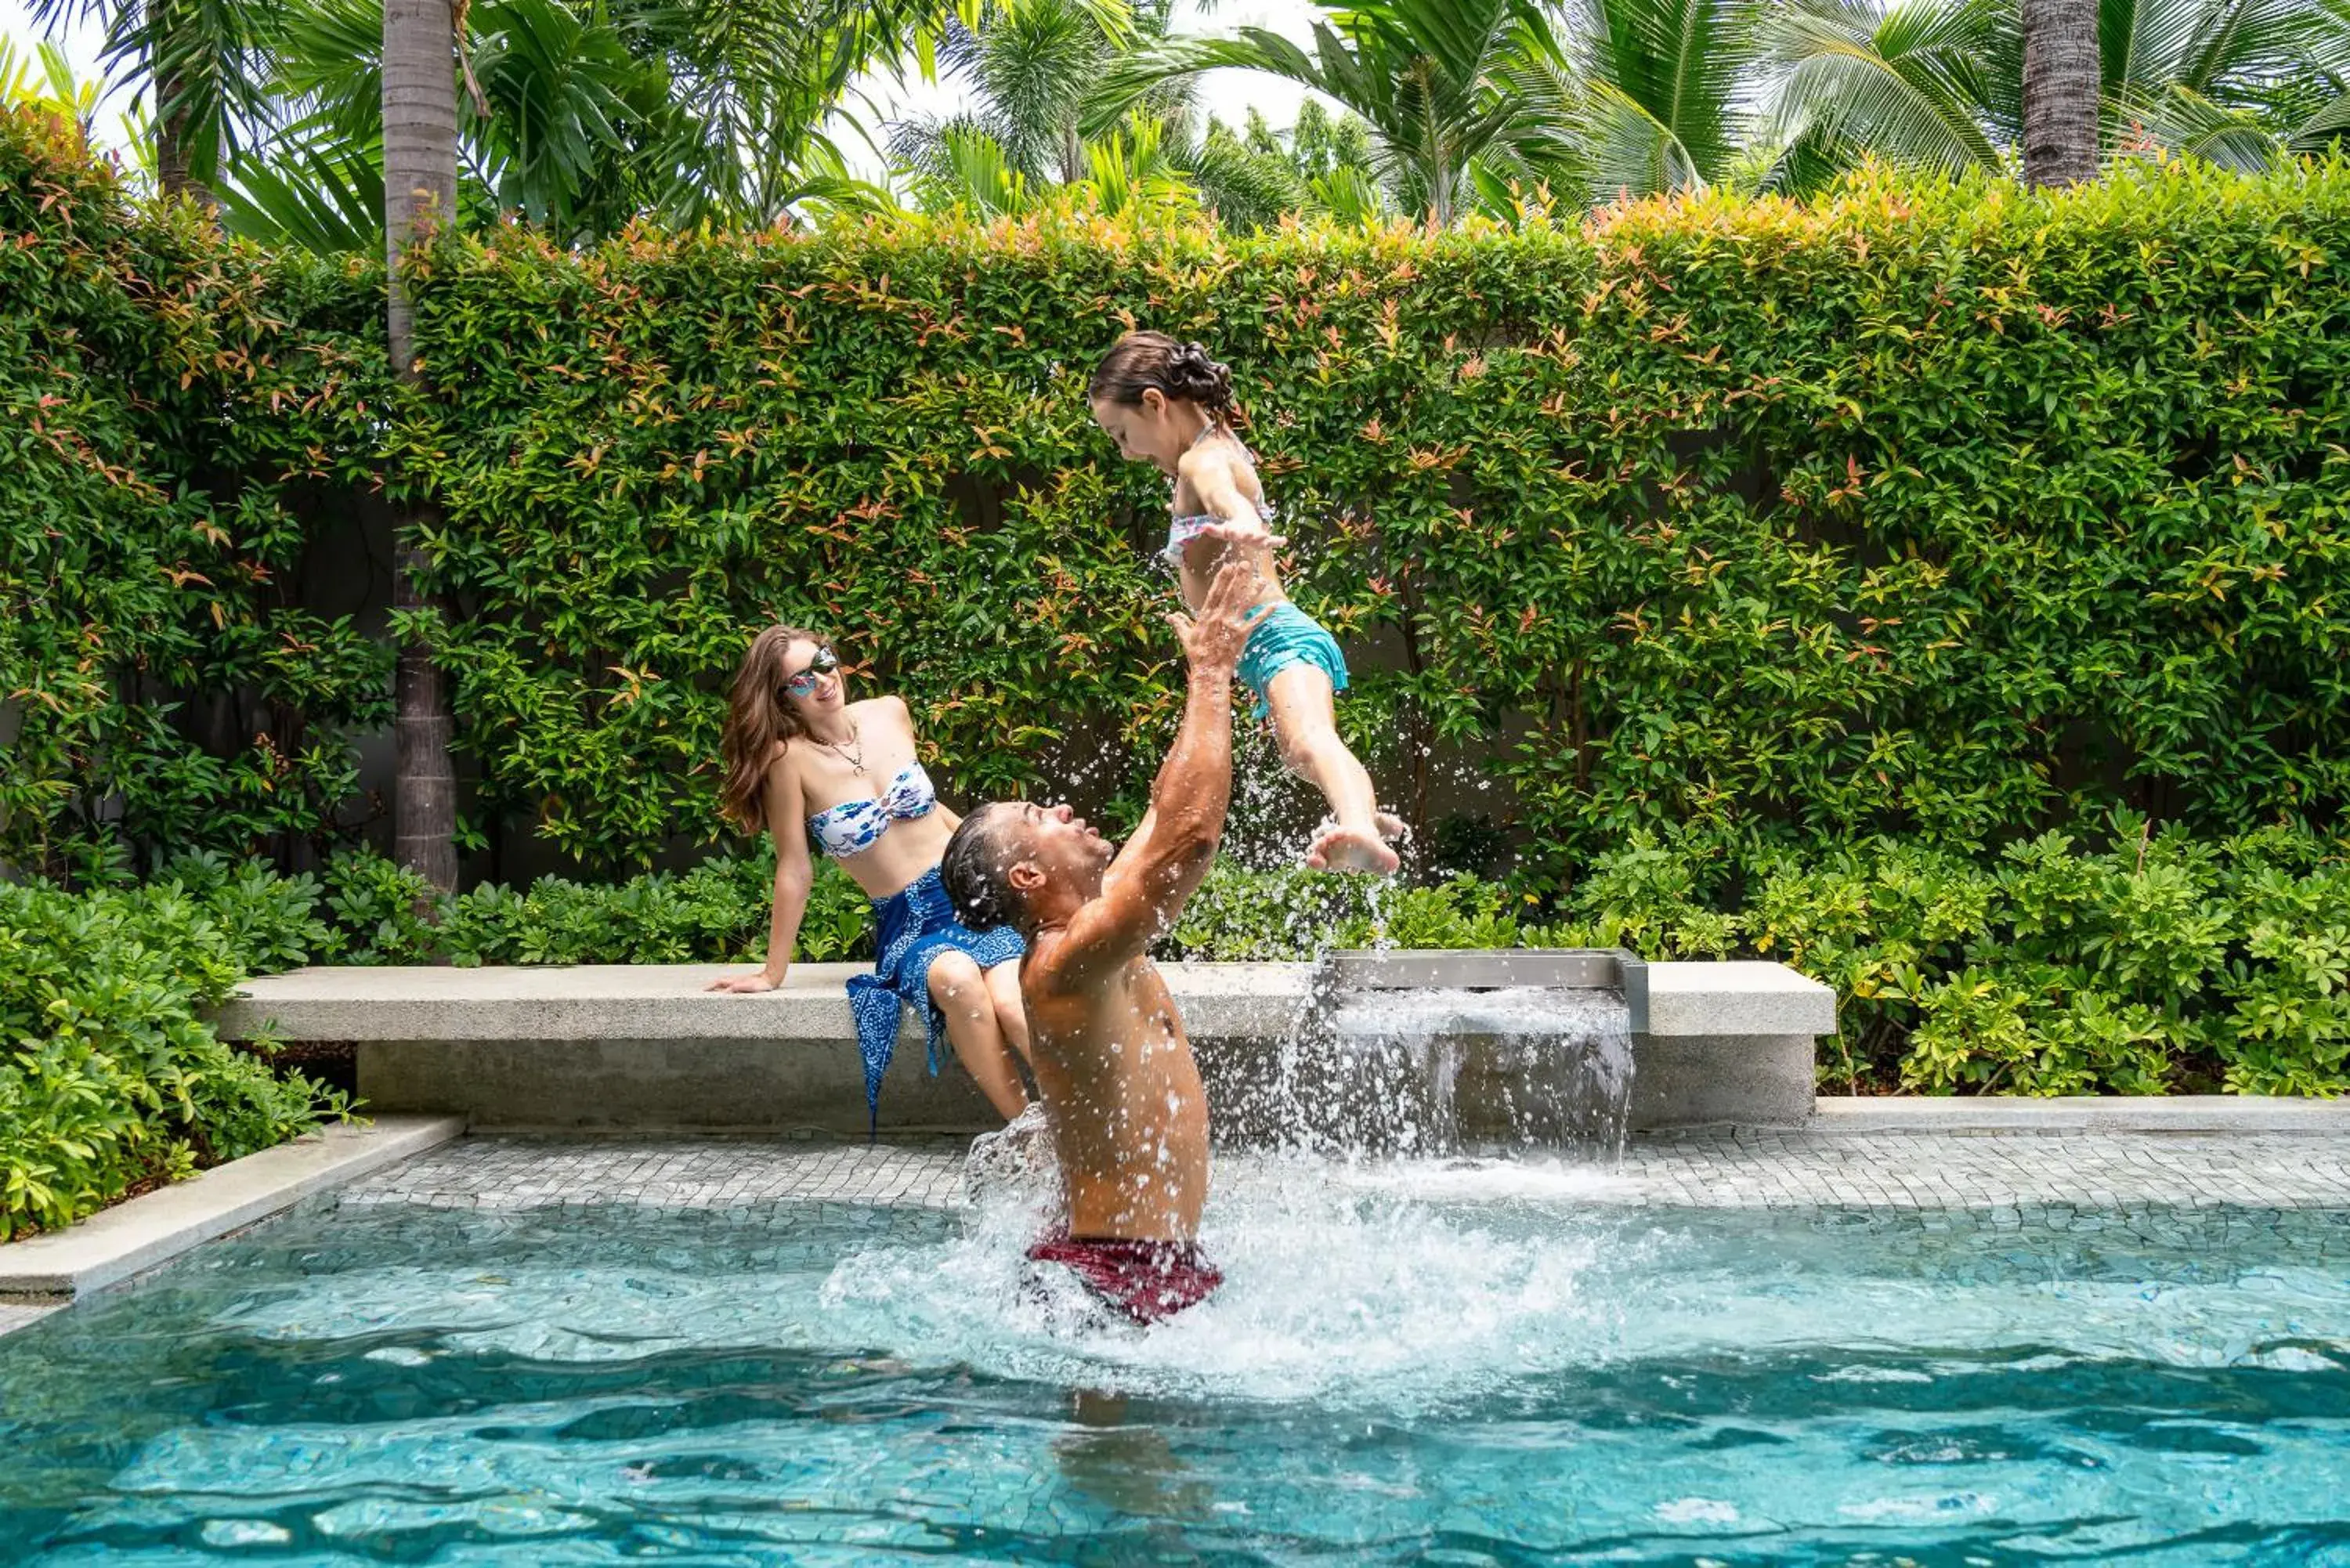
(2248, 1114)
(116, 1243)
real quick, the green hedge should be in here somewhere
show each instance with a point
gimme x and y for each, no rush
(1953, 513)
(176, 416)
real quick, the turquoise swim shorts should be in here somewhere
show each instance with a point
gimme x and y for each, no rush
(1288, 635)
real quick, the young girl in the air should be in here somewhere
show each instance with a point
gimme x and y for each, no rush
(1166, 404)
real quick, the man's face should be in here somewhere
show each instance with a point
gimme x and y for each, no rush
(1052, 847)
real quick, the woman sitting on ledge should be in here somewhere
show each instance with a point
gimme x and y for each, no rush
(805, 761)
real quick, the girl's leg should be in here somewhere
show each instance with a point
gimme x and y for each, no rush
(962, 994)
(1011, 1013)
(1305, 724)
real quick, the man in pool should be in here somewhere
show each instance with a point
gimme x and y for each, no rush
(1130, 1119)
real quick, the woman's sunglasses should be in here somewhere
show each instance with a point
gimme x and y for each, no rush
(805, 683)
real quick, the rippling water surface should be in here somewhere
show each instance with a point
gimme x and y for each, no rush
(1442, 1363)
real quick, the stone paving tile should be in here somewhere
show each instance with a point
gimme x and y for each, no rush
(14, 1315)
(1997, 1178)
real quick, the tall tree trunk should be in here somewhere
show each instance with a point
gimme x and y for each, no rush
(171, 173)
(2061, 82)
(420, 193)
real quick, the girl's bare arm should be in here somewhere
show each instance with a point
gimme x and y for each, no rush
(1214, 480)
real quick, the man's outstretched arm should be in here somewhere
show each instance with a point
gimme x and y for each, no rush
(1162, 864)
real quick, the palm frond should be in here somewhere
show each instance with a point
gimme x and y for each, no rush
(1905, 83)
(326, 202)
(2188, 125)
(1683, 65)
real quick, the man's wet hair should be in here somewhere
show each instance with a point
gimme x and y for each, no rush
(973, 871)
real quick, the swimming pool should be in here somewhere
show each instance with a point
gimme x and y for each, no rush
(1455, 1363)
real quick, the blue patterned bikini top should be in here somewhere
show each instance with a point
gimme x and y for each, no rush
(856, 825)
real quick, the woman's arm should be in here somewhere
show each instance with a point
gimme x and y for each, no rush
(793, 876)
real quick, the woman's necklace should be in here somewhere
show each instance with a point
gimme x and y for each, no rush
(856, 760)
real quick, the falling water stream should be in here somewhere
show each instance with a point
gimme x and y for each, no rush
(1438, 1070)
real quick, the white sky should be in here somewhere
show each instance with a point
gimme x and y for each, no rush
(1227, 95)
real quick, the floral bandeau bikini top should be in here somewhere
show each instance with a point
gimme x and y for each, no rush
(856, 825)
(1181, 531)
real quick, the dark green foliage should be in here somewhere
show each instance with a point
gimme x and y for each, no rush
(168, 405)
(381, 914)
(2146, 963)
(1954, 512)
(109, 1075)
(2149, 962)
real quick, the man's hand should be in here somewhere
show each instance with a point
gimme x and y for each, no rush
(1213, 639)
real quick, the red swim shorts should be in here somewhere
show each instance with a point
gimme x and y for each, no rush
(1149, 1282)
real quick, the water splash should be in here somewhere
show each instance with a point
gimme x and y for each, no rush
(1435, 1070)
(1413, 1304)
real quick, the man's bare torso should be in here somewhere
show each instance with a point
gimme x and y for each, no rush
(1129, 1117)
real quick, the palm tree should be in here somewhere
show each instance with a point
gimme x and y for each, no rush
(2232, 81)
(419, 187)
(2060, 91)
(1939, 83)
(1032, 70)
(1449, 87)
(201, 61)
(1909, 83)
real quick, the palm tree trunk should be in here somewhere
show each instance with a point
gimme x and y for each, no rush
(171, 128)
(2062, 80)
(420, 193)
(172, 154)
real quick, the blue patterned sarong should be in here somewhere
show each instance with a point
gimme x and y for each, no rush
(911, 928)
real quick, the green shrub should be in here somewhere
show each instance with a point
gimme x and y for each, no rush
(183, 419)
(2145, 963)
(382, 914)
(108, 1075)
(1949, 512)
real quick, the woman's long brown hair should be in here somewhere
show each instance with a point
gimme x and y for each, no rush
(758, 714)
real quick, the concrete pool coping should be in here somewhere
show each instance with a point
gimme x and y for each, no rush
(1987, 1164)
(155, 1227)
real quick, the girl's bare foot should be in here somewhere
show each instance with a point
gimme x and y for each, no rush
(1392, 829)
(1352, 849)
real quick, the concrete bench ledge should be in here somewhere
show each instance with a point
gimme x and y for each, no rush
(651, 1045)
(673, 1001)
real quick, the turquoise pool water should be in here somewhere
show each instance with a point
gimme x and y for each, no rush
(1424, 1364)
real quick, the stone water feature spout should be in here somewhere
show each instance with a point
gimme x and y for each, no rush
(1428, 1053)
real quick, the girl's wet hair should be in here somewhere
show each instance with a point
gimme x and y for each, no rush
(1147, 361)
(758, 714)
